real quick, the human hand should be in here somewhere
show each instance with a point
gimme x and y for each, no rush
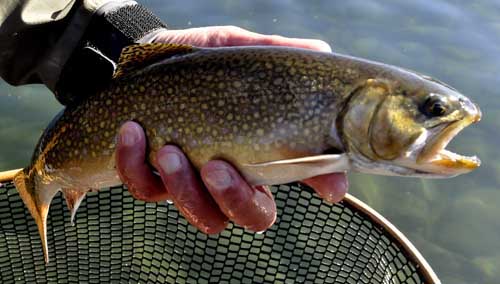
(220, 192)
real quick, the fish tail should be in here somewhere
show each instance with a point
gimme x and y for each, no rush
(38, 204)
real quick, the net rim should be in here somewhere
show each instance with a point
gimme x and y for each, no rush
(349, 200)
(412, 252)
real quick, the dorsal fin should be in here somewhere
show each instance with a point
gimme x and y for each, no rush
(134, 57)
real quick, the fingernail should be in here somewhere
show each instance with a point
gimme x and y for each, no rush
(170, 162)
(321, 45)
(219, 178)
(326, 47)
(129, 135)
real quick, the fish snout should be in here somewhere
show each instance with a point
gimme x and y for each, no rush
(472, 110)
(477, 114)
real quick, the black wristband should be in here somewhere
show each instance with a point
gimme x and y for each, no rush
(92, 64)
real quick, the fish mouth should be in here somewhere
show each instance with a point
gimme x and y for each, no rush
(435, 158)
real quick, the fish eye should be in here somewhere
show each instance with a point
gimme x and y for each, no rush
(434, 107)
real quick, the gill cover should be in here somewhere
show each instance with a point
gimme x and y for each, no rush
(376, 123)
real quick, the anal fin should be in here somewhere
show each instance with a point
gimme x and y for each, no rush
(73, 198)
(38, 200)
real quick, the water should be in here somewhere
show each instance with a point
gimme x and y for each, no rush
(454, 223)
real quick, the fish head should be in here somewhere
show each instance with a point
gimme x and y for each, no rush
(400, 124)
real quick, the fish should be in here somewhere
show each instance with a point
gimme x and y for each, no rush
(278, 114)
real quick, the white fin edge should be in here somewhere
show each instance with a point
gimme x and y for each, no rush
(285, 171)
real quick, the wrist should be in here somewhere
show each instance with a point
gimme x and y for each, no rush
(114, 25)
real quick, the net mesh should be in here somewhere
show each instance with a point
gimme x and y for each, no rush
(118, 239)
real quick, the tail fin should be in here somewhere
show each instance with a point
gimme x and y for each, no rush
(38, 202)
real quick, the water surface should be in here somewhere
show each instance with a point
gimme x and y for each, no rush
(454, 222)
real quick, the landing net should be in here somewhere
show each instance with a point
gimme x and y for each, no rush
(118, 239)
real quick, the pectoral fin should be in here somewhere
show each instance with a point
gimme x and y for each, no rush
(285, 171)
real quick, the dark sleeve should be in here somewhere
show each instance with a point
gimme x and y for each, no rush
(37, 37)
(47, 41)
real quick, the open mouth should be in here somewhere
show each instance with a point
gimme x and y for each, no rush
(435, 155)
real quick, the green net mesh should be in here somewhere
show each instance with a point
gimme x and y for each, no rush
(117, 239)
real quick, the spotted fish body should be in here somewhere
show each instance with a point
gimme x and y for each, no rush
(244, 105)
(270, 111)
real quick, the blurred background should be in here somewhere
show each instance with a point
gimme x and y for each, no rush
(454, 223)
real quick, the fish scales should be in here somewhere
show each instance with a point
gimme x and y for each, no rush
(273, 112)
(243, 106)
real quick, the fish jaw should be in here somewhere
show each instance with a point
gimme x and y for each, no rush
(427, 156)
(454, 164)
(435, 158)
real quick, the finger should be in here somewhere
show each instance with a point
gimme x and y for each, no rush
(235, 36)
(331, 187)
(251, 208)
(239, 36)
(132, 168)
(187, 192)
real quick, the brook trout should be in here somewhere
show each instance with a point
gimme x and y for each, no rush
(278, 114)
